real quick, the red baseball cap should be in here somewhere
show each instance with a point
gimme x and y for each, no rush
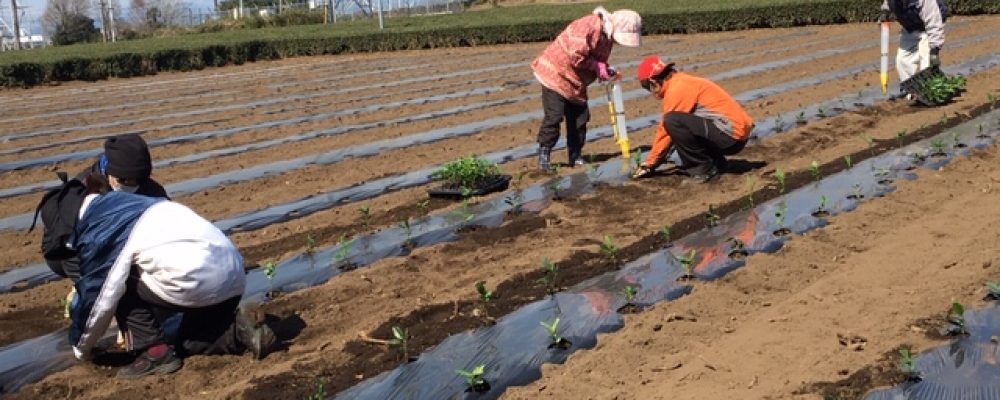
(651, 66)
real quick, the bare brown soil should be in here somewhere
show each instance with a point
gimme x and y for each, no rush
(869, 249)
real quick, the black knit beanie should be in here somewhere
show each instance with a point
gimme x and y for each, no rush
(128, 157)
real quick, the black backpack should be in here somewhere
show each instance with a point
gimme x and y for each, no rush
(59, 208)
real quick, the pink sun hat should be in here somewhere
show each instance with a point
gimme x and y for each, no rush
(627, 28)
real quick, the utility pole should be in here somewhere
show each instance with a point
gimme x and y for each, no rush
(17, 25)
(111, 21)
(381, 25)
(104, 20)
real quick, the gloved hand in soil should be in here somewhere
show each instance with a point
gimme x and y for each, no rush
(935, 56)
(602, 70)
(641, 172)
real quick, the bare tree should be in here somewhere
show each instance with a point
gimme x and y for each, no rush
(59, 11)
(365, 6)
(152, 14)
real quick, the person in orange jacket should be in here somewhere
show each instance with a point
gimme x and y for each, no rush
(700, 119)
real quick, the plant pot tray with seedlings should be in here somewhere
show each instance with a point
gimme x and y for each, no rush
(931, 87)
(469, 176)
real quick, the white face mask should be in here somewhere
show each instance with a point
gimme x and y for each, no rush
(122, 188)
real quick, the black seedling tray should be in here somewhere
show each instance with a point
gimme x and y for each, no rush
(491, 184)
(917, 86)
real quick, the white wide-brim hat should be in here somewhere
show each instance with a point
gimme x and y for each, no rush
(627, 28)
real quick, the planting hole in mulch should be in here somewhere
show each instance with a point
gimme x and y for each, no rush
(739, 254)
(562, 344)
(855, 196)
(782, 232)
(686, 278)
(481, 387)
(348, 267)
(632, 308)
(885, 181)
(821, 213)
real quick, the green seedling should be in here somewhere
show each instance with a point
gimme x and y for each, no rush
(814, 169)
(424, 206)
(401, 339)
(407, 229)
(485, 295)
(992, 99)
(751, 183)
(555, 184)
(856, 193)
(711, 216)
(270, 270)
(917, 158)
(899, 137)
(955, 140)
(848, 162)
(779, 215)
(779, 123)
(609, 248)
(474, 379)
(956, 319)
(592, 172)
(736, 246)
(665, 232)
(994, 290)
(467, 172)
(981, 135)
(629, 292)
(821, 210)
(310, 244)
(687, 262)
(518, 178)
(944, 119)
(591, 158)
(366, 215)
(466, 210)
(861, 93)
(515, 201)
(907, 364)
(553, 329)
(821, 112)
(937, 147)
(320, 393)
(550, 273)
(637, 159)
(801, 118)
(344, 248)
(779, 174)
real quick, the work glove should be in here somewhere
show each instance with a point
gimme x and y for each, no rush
(935, 56)
(884, 16)
(602, 70)
(641, 172)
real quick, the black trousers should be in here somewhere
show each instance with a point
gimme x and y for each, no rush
(204, 330)
(700, 144)
(556, 109)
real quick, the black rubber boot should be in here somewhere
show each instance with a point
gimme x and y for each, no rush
(544, 159)
(576, 157)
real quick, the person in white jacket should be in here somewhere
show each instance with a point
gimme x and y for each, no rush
(143, 259)
(923, 33)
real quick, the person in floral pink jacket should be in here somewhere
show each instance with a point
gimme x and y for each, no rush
(574, 60)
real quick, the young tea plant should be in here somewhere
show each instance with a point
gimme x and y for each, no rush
(404, 224)
(665, 233)
(401, 339)
(687, 262)
(821, 211)
(779, 123)
(366, 216)
(937, 147)
(908, 365)
(848, 162)
(801, 118)
(485, 295)
(320, 393)
(899, 137)
(474, 378)
(270, 270)
(550, 273)
(344, 248)
(751, 183)
(956, 319)
(467, 172)
(424, 206)
(629, 293)
(779, 174)
(993, 290)
(609, 248)
(553, 329)
(711, 216)
(857, 192)
(814, 170)
(821, 112)
(779, 217)
(310, 244)
(515, 201)
(737, 248)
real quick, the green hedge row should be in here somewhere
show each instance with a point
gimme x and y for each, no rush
(129, 64)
